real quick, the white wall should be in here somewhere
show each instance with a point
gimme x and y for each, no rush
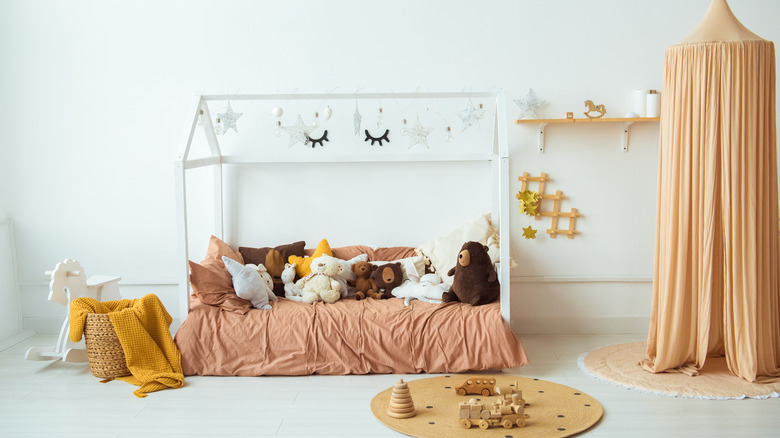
(10, 320)
(95, 95)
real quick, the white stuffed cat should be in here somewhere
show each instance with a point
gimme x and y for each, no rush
(250, 283)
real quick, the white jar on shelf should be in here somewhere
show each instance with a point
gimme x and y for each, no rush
(653, 104)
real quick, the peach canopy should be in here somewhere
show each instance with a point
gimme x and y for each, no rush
(716, 289)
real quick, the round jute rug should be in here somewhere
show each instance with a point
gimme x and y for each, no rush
(554, 410)
(619, 364)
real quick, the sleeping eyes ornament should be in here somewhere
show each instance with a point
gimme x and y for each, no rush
(314, 141)
(377, 139)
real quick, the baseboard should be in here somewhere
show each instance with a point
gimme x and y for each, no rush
(12, 340)
(574, 325)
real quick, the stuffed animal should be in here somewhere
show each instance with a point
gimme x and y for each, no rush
(252, 283)
(428, 288)
(321, 284)
(346, 277)
(387, 277)
(266, 276)
(475, 279)
(365, 286)
(291, 291)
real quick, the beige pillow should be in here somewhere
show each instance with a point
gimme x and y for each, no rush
(443, 252)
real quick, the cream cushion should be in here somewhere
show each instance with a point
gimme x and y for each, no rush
(443, 252)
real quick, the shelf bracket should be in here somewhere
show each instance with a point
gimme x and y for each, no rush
(541, 137)
(625, 135)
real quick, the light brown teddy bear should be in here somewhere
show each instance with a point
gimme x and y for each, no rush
(321, 284)
(365, 286)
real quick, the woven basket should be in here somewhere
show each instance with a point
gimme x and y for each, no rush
(104, 351)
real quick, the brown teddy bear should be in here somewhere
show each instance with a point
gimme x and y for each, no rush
(475, 279)
(365, 286)
(387, 277)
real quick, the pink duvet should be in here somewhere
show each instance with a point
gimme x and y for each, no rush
(348, 337)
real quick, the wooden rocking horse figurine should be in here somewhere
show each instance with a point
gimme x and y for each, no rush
(600, 109)
(68, 282)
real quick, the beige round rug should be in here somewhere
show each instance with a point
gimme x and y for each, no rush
(554, 410)
(619, 364)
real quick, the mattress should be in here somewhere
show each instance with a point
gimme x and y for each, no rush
(347, 337)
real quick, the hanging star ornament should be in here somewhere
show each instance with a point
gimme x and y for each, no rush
(470, 116)
(529, 105)
(229, 119)
(299, 132)
(357, 118)
(418, 134)
(529, 202)
(529, 233)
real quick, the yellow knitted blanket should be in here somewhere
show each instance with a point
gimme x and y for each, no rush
(142, 326)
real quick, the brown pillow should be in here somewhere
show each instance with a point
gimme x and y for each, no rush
(273, 259)
(391, 253)
(211, 281)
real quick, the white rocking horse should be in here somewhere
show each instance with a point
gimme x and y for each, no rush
(69, 282)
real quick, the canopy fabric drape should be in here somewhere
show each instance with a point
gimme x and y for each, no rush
(716, 289)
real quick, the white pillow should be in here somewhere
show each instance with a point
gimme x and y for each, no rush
(443, 252)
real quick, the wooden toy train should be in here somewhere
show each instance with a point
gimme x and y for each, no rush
(507, 411)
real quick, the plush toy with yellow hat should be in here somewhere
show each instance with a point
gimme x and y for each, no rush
(303, 264)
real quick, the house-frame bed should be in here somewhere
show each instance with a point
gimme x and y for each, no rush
(308, 359)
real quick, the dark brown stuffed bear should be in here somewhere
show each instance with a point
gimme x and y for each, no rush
(475, 279)
(365, 286)
(387, 277)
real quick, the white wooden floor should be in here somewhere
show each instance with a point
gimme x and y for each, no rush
(48, 399)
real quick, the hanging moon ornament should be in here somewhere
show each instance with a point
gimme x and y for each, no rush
(327, 113)
(277, 111)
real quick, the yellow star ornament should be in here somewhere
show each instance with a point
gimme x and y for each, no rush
(529, 233)
(529, 202)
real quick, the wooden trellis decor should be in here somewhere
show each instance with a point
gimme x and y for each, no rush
(556, 212)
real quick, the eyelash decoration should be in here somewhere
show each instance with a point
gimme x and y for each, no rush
(314, 141)
(377, 139)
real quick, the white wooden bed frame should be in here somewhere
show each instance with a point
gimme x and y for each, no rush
(498, 157)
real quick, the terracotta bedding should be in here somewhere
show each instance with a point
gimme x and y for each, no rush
(348, 337)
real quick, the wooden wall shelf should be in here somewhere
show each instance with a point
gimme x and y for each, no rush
(626, 121)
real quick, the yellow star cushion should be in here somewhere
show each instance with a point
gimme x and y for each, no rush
(304, 263)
